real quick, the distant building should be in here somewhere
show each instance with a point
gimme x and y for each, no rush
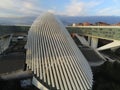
(82, 24)
(101, 24)
(77, 24)
(73, 24)
(117, 24)
(87, 24)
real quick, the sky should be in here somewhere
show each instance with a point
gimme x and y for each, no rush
(19, 8)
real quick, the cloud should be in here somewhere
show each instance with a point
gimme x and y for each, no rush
(6, 4)
(116, 1)
(29, 8)
(71, 8)
(77, 8)
(28, 5)
(19, 8)
(109, 11)
(51, 11)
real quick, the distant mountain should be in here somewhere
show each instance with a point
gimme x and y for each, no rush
(28, 20)
(92, 19)
(17, 20)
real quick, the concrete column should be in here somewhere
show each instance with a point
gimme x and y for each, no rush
(89, 40)
(94, 42)
(82, 40)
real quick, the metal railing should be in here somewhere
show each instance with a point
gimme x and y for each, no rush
(104, 32)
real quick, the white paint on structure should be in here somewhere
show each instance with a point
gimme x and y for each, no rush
(38, 84)
(110, 45)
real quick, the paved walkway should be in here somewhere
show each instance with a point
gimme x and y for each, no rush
(12, 62)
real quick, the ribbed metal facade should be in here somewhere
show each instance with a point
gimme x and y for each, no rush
(54, 58)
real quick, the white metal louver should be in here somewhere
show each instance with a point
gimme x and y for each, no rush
(4, 42)
(54, 58)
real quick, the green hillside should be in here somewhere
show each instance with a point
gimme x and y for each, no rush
(13, 29)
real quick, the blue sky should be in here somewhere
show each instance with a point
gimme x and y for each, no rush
(19, 8)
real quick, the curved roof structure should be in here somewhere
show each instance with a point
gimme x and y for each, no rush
(54, 58)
